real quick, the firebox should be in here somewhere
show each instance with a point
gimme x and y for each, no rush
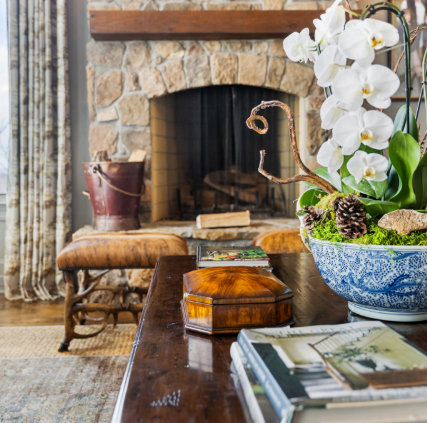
(205, 158)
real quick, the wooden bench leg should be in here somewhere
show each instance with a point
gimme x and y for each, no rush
(68, 310)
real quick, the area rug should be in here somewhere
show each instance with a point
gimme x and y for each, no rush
(43, 341)
(37, 384)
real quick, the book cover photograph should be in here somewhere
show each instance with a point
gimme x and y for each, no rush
(232, 254)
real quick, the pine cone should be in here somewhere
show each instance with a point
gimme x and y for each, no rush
(335, 203)
(350, 217)
(314, 215)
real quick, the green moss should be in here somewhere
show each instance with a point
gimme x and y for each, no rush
(325, 202)
(327, 231)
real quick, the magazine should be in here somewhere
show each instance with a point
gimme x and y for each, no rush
(324, 365)
(232, 256)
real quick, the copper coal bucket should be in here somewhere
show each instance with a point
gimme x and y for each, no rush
(115, 191)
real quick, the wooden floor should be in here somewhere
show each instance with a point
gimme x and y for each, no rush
(38, 313)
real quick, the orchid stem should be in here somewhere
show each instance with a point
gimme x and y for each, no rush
(424, 82)
(351, 12)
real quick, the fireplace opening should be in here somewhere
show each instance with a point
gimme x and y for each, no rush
(205, 159)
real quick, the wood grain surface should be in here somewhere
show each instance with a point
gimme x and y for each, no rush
(198, 25)
(167, 360)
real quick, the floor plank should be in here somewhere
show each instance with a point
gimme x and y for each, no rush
(38, 313)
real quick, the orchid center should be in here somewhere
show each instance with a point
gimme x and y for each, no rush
(366, 90)
(369, 173)
(365, 136)
(376, 41)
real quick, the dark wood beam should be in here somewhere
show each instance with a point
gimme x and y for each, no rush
(198, 25)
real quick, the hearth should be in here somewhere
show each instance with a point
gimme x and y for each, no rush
(205, 159)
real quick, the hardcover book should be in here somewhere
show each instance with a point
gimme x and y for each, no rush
(232, 256)
(341, 366)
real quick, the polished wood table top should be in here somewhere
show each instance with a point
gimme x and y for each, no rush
(177, 375)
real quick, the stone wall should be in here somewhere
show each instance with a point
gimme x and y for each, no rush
(123, 76)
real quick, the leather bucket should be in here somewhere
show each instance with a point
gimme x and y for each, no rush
(115, 193)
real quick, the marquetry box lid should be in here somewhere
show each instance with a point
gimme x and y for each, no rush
(221, 300)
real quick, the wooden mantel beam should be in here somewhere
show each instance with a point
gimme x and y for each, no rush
(198, 25)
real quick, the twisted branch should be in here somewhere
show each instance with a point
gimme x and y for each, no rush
(310, 176)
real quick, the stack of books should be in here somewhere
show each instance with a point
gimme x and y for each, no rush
(356, 372)
(232, 256)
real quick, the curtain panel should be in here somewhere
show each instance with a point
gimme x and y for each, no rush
(38, 219)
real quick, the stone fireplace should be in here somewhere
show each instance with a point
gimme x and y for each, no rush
(127, 82)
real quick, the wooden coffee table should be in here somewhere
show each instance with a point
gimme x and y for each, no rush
(176, 375)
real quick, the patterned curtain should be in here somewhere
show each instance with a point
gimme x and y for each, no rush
(38, 220)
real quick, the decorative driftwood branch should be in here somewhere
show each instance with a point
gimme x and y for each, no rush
(310, 176)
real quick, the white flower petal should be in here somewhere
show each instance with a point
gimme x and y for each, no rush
(353, 44)
(331, 112)
(380, 124)
(330, 155)
(389, 32)
(379, 177)
(356, 165)
(346, 88)
(299, 47)
(378, 162)
(346, 133)
(384, 80)
(328, 65)
(379, 145)
(379, 104)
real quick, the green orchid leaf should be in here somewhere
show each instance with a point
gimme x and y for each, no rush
(363, 186)
(300, 213)
(404, 153)
(400, 122)
(346, 189)
(380, 188)
(377, 208)
(311, 197)
(344, 171)
(393, 183)
(419, 185)
(333, 178)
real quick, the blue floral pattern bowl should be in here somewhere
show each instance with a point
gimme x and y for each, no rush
(387, 283)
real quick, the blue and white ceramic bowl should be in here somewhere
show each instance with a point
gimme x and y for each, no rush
(386, 283)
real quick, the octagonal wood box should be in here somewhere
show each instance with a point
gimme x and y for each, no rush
(220, 300)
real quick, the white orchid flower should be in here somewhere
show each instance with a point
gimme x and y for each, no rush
(375, 83)
(328, 64)
(360, 39)
(331, 111)
(371, 128)
(330, 155)
(299, 47)
(330, 25)
(371, 167)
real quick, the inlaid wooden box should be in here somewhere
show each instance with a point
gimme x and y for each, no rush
(221, 300)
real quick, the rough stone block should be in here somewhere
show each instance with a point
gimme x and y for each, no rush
(275, 73)
(137, 56)
(297, 79)
(102, 137)
(212, 46)
(227, 6)
(150, 5)
(239, 46)
(311, 5)
(261, 47)
(90, 80)
(316, 136)
(133, 6)
(140, 277)
(224, 69)
(107, 115)
(276, 49)
(109, 87)
(311, 163)
(182, 6)
(273, 4)
(194, 49)
(315, 89)
(132, 82)
(314, 103)
(198, 71)
(170, 50)
(109, 55)
(134, 110)
(253, 69)
(173, 73)
(137, 139)
(152, 81)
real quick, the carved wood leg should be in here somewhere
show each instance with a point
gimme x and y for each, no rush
(69, 322)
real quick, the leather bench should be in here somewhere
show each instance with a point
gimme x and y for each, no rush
(105, 252)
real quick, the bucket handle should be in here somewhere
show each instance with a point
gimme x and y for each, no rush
(97, 171)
